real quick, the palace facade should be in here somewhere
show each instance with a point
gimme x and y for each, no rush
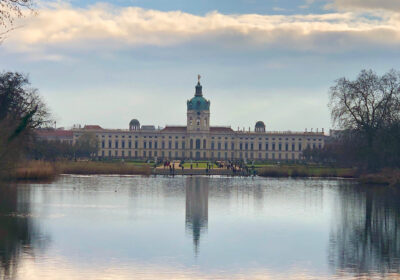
(198, 140)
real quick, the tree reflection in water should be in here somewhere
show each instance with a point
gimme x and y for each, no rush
(16, 229)
(196, 207)
(367, 235)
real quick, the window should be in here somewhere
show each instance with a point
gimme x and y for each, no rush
(226, 146)
(198, 122)
(136, 144)
(116, 153)
(246, 146)
(144, 145)
(232, 146)
(123, 144)
(205, 122)
(204, 144)
(144, 153)
(150, 154)
(273, 146)
(183, 144)
(251, 146)
(299, 147)
(156, 145)
(212, 145)
(150, 144)
(259, 147)
(169, 144)
(109, 143)
(123, 153)
(130, 144)
(102, 153)
(163, 145)
(191, 143)
(198, 142)
(292, 147)
(116, 144)
(241, 146)
(286, 147)
(109, 153)
(280, 147)
(176, 145)
(219, 147)
(266, 146)
(102, 144)
(129, 153)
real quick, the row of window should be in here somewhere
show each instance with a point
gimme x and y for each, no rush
(219, 138)
(198, 145)
(219, 155)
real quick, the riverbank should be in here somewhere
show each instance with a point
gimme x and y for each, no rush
(46, 171)
(42, 171)
(387, 177)
(306, 171)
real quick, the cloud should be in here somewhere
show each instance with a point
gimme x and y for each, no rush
(102, 26)
(365, 5)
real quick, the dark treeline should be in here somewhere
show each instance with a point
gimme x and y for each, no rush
(21, 112)
(85, 147)
(366, 112)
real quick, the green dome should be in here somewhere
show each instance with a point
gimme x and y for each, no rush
(198, 102)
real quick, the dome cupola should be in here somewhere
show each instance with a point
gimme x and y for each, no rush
(260, 127)
(134, 125)
(198, 102)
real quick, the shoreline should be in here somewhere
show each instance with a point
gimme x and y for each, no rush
(48, 171)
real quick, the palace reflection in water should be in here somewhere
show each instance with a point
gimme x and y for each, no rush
(118, 224)
(196, 207)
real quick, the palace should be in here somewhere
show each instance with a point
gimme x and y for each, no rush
(198, 140)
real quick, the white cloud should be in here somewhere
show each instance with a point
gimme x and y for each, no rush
(391, 5)
(104, 26)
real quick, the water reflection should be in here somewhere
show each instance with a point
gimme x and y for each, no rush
(115, 227)
(15, 230)
(366, 237)
(196, 208)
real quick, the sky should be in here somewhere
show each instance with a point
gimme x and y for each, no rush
(108, 62)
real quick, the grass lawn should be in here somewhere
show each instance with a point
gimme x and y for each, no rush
(201, 165)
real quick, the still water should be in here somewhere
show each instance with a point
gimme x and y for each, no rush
(102, 227)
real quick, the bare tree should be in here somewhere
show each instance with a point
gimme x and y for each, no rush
(367, 108)
(21, 111)
(368, 103)
(9, 11)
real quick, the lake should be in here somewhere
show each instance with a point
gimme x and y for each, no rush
(111, 227)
